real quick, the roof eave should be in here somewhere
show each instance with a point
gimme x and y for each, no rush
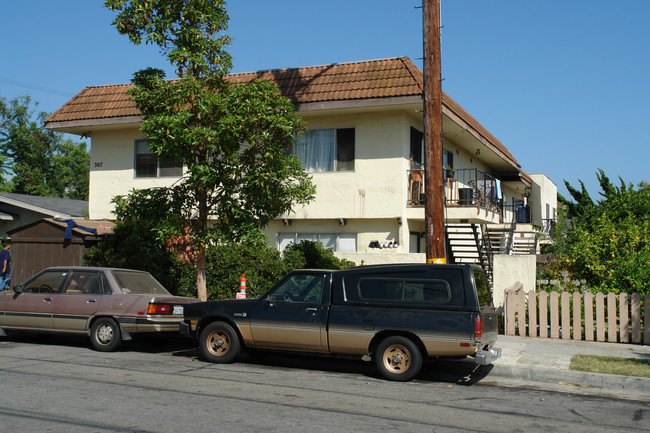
(83, 126)
(34, 208)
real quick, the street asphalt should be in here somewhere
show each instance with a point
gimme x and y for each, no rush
(547, 360)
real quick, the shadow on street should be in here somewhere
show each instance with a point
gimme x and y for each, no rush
(438, 370)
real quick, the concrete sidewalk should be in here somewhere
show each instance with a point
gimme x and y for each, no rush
(547, 360)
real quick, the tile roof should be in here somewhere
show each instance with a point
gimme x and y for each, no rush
(373, 79)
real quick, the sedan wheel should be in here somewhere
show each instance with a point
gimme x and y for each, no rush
(219, 343)
(105, 335)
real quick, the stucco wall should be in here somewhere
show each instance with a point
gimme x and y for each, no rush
(510, 269)
(377, 187)
(112, 170)
(543, 192)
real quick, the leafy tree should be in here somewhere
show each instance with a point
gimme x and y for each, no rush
(313, 255)
(136, 244)
(606, 243)
(231, 138)
(37, 161)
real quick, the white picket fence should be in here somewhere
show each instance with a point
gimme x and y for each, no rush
(578, 316)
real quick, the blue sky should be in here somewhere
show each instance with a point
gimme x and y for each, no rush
(564, 84)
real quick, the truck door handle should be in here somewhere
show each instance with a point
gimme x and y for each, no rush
(312, 309)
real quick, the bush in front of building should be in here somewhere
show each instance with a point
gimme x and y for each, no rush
(135, 246)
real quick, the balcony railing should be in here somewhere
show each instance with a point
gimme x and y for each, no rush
(518, 213)
(463, 187)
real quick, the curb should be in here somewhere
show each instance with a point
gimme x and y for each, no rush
(582, 378)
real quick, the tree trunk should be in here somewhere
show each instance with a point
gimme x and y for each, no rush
(201, 288)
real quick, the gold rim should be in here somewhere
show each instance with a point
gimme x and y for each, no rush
(397, 359)
(218, 342)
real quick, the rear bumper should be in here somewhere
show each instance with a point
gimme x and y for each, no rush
(149, 324)
(486, 357)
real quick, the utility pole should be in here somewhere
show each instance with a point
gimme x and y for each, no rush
(434, 204)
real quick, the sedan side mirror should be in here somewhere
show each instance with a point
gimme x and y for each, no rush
(18, 289)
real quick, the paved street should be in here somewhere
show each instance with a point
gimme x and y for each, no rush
(61, 385)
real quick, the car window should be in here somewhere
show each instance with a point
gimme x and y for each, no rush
(105, 286)
(138, 283)
(47, 282)
(482, 289)
(299, 288)
(83, 282)
(404, 290)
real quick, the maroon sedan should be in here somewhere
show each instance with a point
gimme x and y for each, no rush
(107, 304)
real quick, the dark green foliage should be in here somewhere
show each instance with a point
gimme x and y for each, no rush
(136, 246)
(312, 255)
(606, 244)
(37, 161)
(262, 266)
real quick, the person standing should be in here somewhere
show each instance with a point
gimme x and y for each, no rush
(5, 264)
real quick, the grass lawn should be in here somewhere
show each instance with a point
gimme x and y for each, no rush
(611, 365)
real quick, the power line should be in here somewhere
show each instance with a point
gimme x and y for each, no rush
(36, 87)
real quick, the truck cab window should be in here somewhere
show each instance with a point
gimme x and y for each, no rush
(300, 288)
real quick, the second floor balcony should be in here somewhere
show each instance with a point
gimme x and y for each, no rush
(470, 194)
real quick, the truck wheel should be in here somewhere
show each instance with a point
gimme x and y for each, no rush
(219, 343)
(398, 359)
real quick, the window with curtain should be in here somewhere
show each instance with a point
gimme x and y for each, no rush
(323, 150)
(148, 165)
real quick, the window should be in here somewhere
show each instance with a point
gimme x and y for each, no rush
(138, 283)
(414, 242)
(47, 282)
(85, 282)
(403, 290)
(147, 165)
(300, 288)
(443, 288)
(447, 159)
(340, 243)
(482, 289)
(417, 148)
(323, 150)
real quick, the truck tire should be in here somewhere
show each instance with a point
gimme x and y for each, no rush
(398, 358)
(219, 343)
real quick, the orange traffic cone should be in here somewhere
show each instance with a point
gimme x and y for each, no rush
(242, 288)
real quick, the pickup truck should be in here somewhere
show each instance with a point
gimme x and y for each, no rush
(397, 314)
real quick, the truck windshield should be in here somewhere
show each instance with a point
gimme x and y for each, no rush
(482, 289)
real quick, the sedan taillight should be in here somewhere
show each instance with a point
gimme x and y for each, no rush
(159, 309)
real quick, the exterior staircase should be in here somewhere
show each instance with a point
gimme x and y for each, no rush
(476, 244)
(468, 243)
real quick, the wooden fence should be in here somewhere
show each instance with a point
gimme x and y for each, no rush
(578, 316)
